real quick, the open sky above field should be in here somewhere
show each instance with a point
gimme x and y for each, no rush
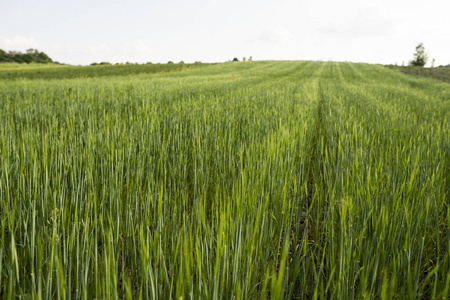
(85, 31)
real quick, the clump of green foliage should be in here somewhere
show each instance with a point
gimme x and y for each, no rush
(420, 57)
(31, 56)
(104, 63)
(297, 180)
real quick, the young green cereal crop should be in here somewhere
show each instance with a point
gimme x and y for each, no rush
(296, 180)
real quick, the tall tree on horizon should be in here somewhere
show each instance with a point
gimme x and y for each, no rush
(420, 57)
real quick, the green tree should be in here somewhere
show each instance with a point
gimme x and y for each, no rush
(41, 57)
(4, 57)
(27, 58)
(420, 57)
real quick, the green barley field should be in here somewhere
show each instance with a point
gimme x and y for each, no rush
(294, 180)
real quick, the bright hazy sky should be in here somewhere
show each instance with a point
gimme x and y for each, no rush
(86, 31)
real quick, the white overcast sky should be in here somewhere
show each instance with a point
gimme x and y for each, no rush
(86, 31)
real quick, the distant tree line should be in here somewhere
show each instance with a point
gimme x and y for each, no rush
(103, 63)
(31, 56)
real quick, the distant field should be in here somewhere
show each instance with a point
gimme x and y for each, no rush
(14, 71)
(250, 180)
(17, 66)
(441, 73)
